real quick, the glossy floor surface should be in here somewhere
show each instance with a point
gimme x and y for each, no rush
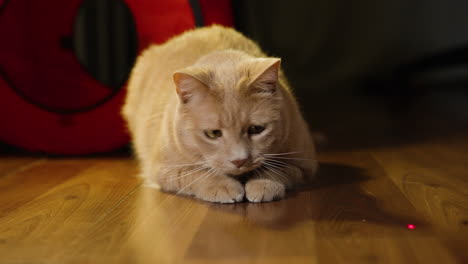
(392, 188)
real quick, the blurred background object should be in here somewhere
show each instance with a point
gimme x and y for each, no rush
(351, 61)
(63, 66)
(329, 45)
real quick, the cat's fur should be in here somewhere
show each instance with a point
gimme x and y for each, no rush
(208, 79)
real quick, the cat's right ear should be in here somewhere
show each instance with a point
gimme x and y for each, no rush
(265, 72)
(188, 88)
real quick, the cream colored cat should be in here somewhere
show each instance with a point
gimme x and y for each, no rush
(208, 109)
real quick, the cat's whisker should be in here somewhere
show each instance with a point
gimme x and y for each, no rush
(261, 170)
(277, 162)
(277, 166)
(208, 174)
(277, 172)
(185, 174)
(281, 154)
(265, 170)
(280, 174)
(256, 172)
(194, 169)
(280, 166)
(287, 158)
(188, 164)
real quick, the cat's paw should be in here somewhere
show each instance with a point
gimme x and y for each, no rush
(225, 190)
(264, 190)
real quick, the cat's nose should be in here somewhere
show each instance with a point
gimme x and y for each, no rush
(238, 163)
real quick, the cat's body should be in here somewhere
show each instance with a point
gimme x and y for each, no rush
(208, 106)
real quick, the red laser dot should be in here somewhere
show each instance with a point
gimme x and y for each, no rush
(410, 226)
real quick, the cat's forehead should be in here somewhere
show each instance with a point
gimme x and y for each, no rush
(226, 69)
(225, 113)
(226, 80)
(235, 112)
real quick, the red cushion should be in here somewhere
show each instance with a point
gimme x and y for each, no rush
(34, 66)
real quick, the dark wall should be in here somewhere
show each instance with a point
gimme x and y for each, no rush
(331, 45)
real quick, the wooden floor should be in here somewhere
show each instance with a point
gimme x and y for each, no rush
(393, 188)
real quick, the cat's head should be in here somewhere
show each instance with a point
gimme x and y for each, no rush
(230, 110)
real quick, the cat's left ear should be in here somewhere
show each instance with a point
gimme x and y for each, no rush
(265, 78)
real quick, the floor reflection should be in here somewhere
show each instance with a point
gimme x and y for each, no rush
(170, 228)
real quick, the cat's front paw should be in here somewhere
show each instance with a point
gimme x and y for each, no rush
(225, 190)
(264, 190)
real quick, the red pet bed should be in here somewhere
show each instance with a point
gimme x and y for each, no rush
(48, 101)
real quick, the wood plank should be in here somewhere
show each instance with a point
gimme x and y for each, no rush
(356, 212)
(12, 165)
(147, 226)
(433, 177)
(387, 248)
(365, 221)
(437, 191)
(255, 232)
(32, 180)
(34, 231)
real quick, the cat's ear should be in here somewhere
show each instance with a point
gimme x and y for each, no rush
(265, 75)
(188, 87)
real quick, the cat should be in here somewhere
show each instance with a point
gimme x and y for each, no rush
(212, 116)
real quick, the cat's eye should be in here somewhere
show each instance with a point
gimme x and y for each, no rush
(254, 130)
(213, 134)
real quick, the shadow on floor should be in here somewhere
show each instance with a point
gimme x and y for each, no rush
(333, 201)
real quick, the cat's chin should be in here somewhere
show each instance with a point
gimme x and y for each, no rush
(243, 177)
(238, 173)
(244, 172)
